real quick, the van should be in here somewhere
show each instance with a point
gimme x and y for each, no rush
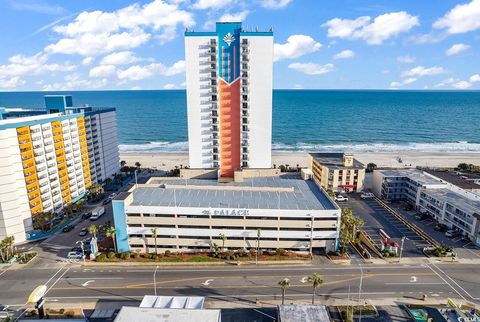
(97, 213)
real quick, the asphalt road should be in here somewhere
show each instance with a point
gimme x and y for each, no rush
(74, 283)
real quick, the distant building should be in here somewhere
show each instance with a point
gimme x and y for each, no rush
(190, 215)
(443, 201)
(229, 98)
(338, 172)
(465, 180)
(50, 157)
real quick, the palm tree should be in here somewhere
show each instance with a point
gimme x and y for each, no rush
(259, 233)
(316, 281)
(284, 284)
(223, 238)
(154, 234)
(137, 164)
(111, 232)
(93, 229)
(123, 163)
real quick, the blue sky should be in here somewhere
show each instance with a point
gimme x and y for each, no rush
(352, 44)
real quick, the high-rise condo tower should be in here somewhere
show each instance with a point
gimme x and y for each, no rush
(229, 98)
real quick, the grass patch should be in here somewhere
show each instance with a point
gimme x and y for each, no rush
(348, 312)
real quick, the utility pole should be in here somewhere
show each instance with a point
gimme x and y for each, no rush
(360, 292)
(401, 249)
(154, 280)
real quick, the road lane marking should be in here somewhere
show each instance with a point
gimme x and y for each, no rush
(448, 283)
(87, 283)
(97, 278)
(413, 279)
(207, 282)
(413, 284)
(475, 298)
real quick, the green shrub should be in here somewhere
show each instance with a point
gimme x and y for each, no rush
(111, 254)
(168, 253)
(61, 311)
(125, 255)
(155, 257)
(101, 258)
(137, 255)
(280, 251)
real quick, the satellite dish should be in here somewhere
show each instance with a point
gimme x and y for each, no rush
(37, 294)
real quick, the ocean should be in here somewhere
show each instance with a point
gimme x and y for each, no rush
(303, 120)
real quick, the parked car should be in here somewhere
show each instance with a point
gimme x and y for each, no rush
(452, 233)
(67, 228)
(106, 201)
(77, 249)
(421, 216)
(440, 227)
(83, 232)
(367, 195)
(74, 255)
(86, 215)
(112, 195)
(340, 198)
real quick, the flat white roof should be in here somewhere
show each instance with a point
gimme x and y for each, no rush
(173, 302)
(285, 192)
(414, 174)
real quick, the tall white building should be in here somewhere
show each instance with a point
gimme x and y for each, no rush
(50, 157)
(229, 98)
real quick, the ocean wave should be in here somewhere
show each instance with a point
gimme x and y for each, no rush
(462, 146)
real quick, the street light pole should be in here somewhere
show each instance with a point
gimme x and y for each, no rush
(154, 280)
(401, 249)
(136, 182)
(360, 291)
(83, 250)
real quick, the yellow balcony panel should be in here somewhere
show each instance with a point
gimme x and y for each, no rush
(32, 186)
(23, 130)
(26, 145)
(27, 155)
(36, 209)
(32, 177)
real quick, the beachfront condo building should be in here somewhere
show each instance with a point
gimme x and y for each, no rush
(337, 172)
(443, 201)
(229, 98)
(50, 157)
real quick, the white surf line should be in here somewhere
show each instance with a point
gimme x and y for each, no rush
(447, 283)
(469, 295)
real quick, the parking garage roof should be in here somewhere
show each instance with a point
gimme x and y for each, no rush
(281, 192)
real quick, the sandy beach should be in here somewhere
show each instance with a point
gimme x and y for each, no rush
(167, 161)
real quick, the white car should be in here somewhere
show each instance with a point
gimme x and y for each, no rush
(113, 195)
(74, 255)
(341, 198)
(367, 195)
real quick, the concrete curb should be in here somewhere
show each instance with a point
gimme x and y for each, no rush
(203, 264)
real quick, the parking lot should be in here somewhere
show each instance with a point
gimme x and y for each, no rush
(376, 217)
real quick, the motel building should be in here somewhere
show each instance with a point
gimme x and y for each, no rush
(191, 214)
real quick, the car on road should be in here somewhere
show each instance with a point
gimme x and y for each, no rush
(106, 201)
(367, 195)
(74, 255)
(83, 232)
(440, 227)
(77, 249)
(86, 215)
(112, 196)
(452, 233)
(421, 216)
(67, 228)
(340, 198)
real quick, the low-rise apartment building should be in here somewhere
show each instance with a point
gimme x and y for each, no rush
(190, 215)
(445, 202)
(338, 172)
(50, 157)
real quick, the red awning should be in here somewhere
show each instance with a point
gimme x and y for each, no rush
(348, 186)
